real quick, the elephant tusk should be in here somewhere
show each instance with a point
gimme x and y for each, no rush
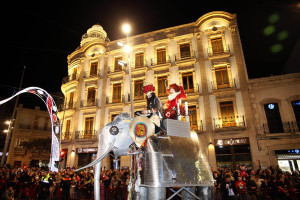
(100, 158)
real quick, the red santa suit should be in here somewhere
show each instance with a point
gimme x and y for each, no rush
(173, 99)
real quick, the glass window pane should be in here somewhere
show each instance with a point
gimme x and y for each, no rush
(191, 85)
(225, 76)
(241, 148)
(223, 150)
(219, 78)
(243, 157)
(224, 158)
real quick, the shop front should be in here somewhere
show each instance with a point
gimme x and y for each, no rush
(233, 152)
(86, 155)
(289, 159)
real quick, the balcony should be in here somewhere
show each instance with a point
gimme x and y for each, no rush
(69, 79)
(86, 135)
(92, 75)
(25, 126)
(153, 63)
(230, 123)
(66, 136)
(89, 103)
(20, 151)
(185, 56)
(198, 128)
(67, 106)
(290, 127)
(220, 53)
(111, 100)
(45, 128)
(220, 86)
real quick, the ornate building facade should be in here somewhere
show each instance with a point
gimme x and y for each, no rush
(30, 125)
(205, 57)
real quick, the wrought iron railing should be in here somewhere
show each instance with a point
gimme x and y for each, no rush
(86, 134)
(231, 121)
(224, 49)
(284, 127)
(67, 79)
(230, 84)
(152, 62)
(24, 126)
(89, 103)
(91, 74)
(66, 135)
(185, 55)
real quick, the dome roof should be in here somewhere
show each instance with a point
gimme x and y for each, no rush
(96, 32)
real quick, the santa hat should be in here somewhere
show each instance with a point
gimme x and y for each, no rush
(177, 88)
(148, 88)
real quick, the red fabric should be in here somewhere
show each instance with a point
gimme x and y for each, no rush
(148, 88)
(238, 182)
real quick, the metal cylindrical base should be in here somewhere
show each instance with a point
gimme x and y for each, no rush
(186, 195)
(156, 193)
(143, 193)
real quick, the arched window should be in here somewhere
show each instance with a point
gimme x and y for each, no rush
(273, 118)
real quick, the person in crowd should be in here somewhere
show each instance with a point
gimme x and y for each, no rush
(228, 188)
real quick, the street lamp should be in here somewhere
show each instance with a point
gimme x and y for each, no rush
(127, 49)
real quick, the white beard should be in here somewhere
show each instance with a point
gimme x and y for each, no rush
(172, 96)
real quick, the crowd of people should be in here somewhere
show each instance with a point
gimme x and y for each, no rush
(246, 184)
(36, 183)
(242, 183)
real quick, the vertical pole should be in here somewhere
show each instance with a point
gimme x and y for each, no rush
(130, 80)
(12, 121)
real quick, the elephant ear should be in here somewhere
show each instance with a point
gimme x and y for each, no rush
(140, 129)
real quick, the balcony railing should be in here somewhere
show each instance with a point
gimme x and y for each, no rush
(230, 84)
(220, 51)
(198, 126)
(69, 78)
(89, 103)
(185, 55)
(231, 121)
(110, 100)
(49, 129)
(19, 150)
(86, 134)
(152, 62)
(24, 126)
(92, 75)
(66, 136)
(285, 127)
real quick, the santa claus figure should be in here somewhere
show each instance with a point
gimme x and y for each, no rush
(176, 93)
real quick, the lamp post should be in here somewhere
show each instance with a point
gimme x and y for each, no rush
(127, 49)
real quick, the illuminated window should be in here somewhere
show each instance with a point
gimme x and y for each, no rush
(222, 77)
(296, 108)
(161, 56)
(139, 60)
(93, 69)
(70, 105)
(138, 89)
(112, 117)
(227, 113)
(187, 81)
(161, 83)
(116, 93)
(185, 51)
(193, 117)
(217, 45)
(89, 126)
(91, 96)
(74, 74)
(68, 127)
(118, 67)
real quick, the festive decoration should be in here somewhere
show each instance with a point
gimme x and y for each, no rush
(52, 110)
(148, 88)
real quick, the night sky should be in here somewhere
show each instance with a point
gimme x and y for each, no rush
(40, 35)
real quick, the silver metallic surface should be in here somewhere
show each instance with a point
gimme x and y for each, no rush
(175, 162)
(177, 128)
(156, 193)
